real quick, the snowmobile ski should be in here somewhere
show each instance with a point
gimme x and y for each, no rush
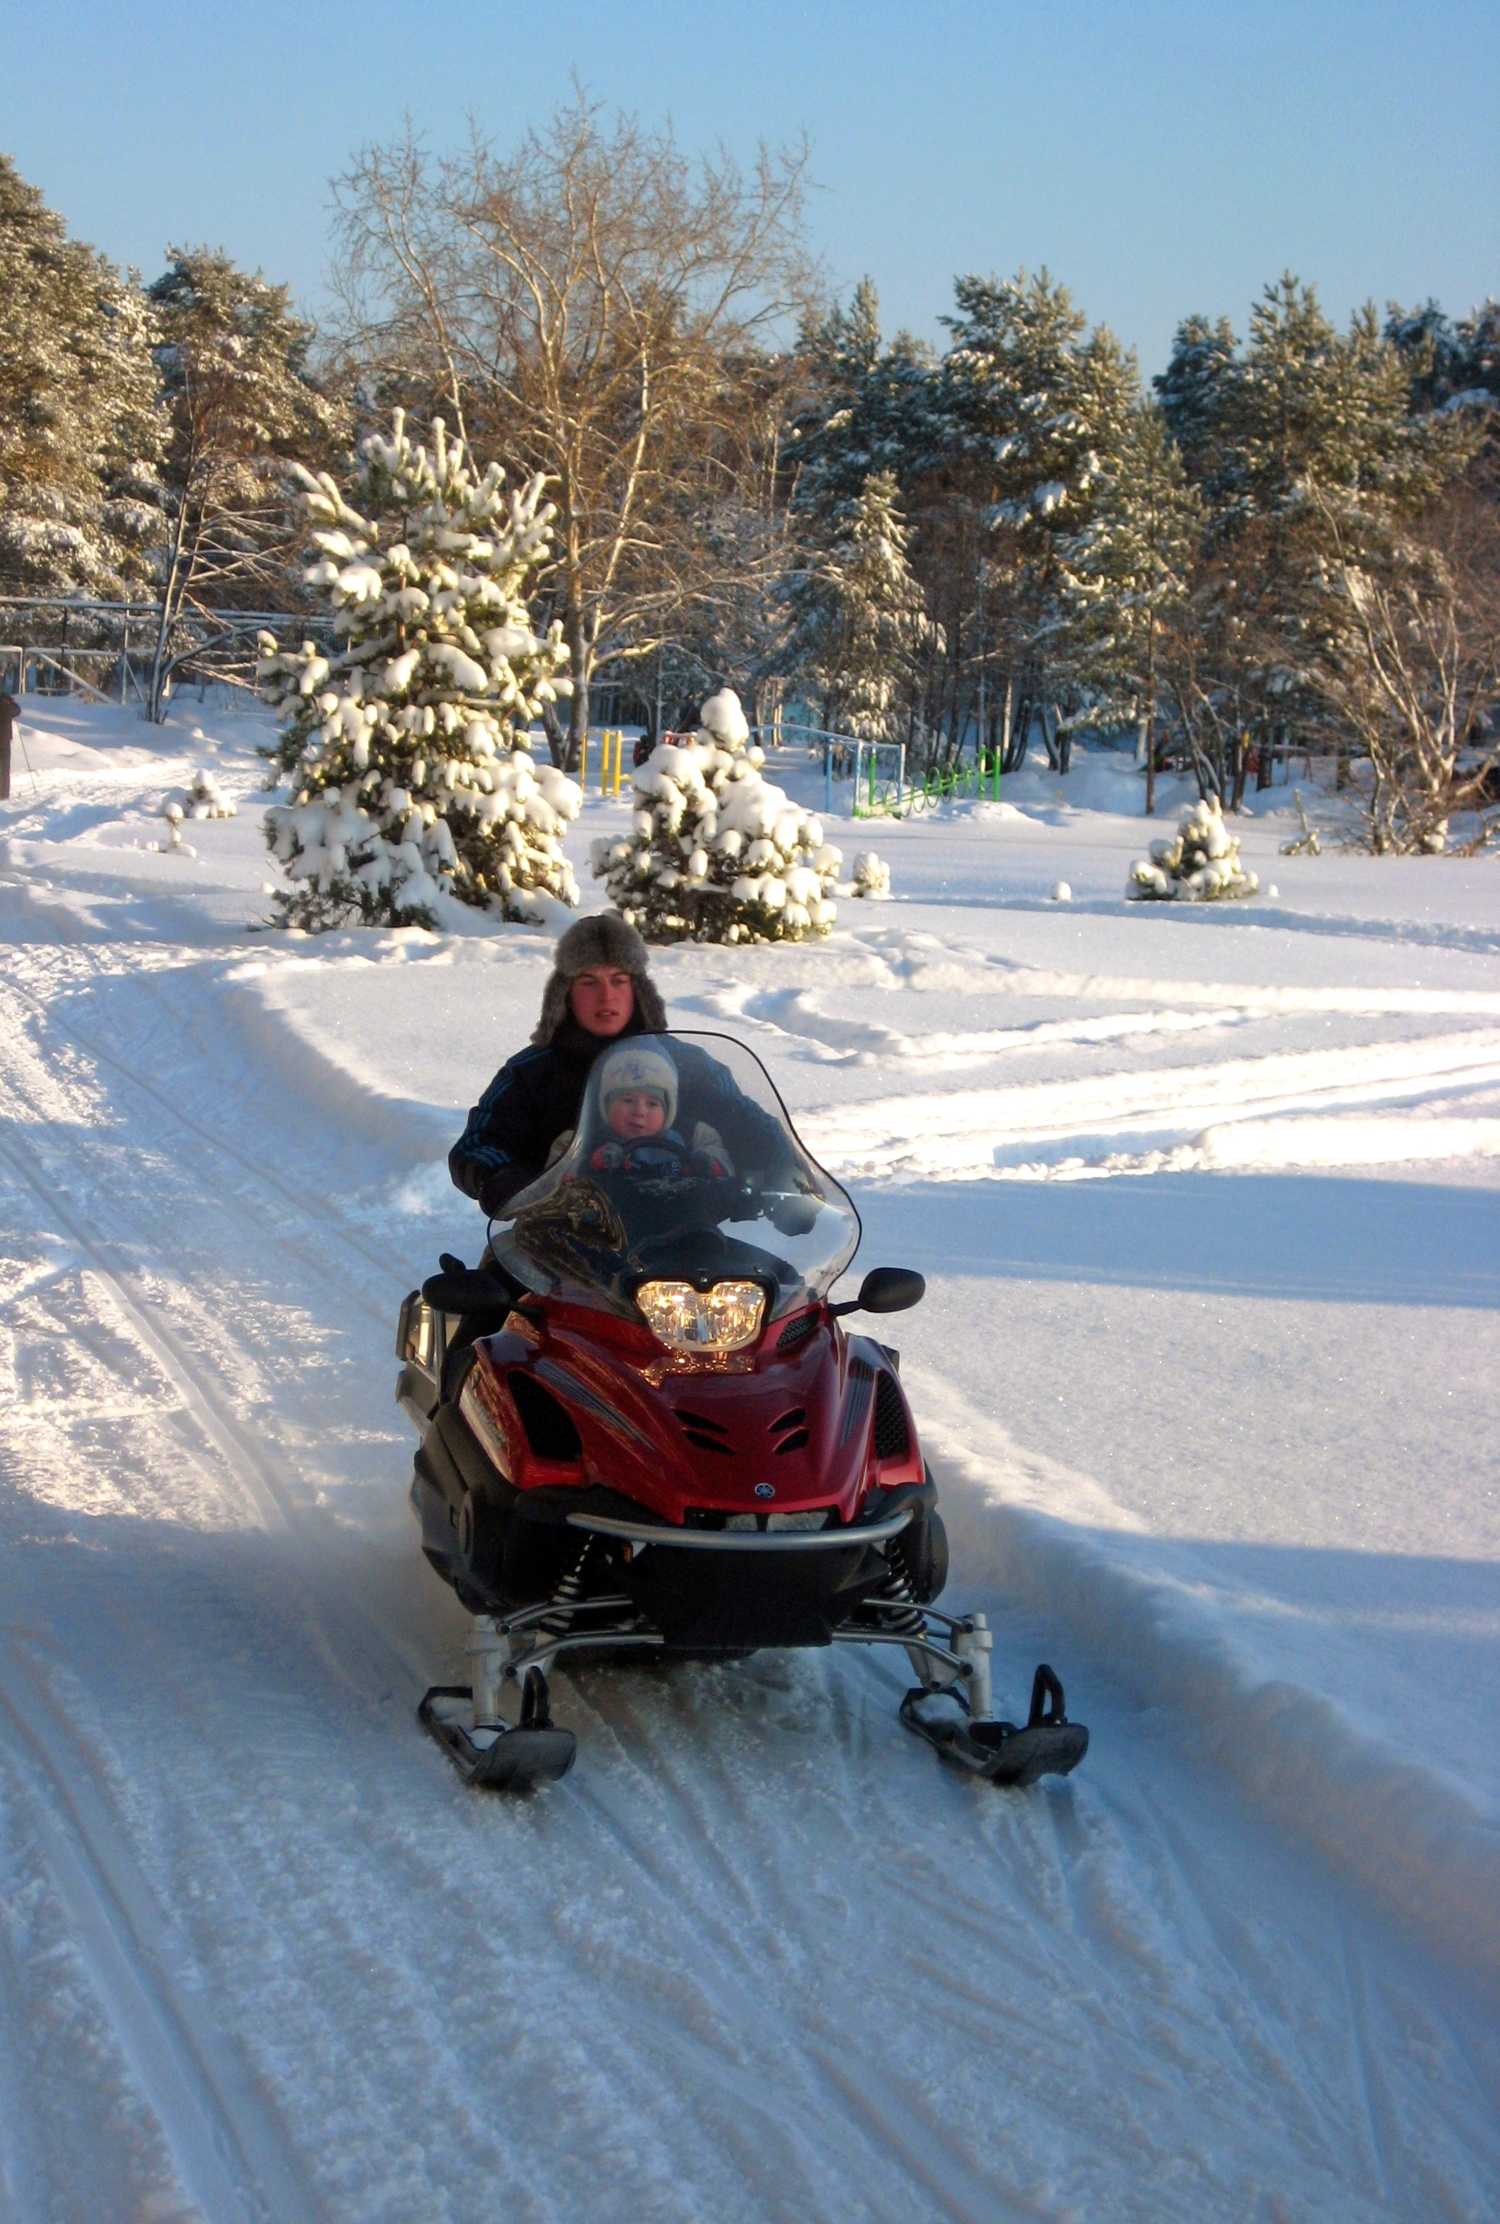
(1001, 1752)
(494, 1757)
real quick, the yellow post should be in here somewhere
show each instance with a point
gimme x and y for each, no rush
(619, 755)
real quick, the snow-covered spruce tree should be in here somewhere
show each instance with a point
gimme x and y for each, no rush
(407, 779)
(859, 625)
(1200, 863)
(715, 853)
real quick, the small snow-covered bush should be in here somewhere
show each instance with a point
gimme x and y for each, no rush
(872, 876)
(1200, 863)
(408, 781)
(174, 845)
(715, 853)
(205, 799)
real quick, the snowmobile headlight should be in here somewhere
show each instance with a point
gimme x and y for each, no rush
(416, 1340)
(723, 1318)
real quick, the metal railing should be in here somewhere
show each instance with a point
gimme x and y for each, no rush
(17, 660)
(107, 649)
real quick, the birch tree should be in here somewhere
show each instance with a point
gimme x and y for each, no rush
(589, 304)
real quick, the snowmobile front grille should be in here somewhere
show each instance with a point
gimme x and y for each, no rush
(892, 1437)
(696, 1428)
(796, 1332)
(792, 1430)
(548, 1425)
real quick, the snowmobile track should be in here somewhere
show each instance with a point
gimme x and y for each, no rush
(262, 1484)
(243, 1460)
(296, 1201)
(229, 2148)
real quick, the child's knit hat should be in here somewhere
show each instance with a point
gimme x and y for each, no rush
(638, 1066)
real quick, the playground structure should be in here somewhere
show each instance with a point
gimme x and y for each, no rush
(883, 788)
(611, 759)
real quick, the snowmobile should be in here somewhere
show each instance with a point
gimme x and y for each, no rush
(645, 1430)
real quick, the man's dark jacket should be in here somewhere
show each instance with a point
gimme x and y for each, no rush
(538, 1094)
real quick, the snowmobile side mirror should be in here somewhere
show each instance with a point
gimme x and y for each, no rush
(886, 1289)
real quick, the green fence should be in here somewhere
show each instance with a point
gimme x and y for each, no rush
(875, 798)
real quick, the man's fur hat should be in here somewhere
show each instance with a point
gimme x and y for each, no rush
(602, 939)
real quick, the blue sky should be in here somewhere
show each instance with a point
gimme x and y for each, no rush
(1160, 158)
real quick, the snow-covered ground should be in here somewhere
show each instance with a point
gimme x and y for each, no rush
(1209, 1205)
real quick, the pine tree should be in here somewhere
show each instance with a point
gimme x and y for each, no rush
(1192, 392)
(408, 781)
(715, 852)
(80, 436)
(866, 408)
(858, 621)
(1122, 577)
(1038, 406)
(1304, 415)
(1200, 863)
(1447, 364)
(1309, 458)
(241, 405)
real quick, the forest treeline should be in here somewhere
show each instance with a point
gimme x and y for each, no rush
(1289, 542)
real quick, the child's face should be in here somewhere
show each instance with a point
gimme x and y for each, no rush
(634, 1113)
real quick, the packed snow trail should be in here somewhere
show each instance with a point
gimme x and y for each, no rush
(760, 1957)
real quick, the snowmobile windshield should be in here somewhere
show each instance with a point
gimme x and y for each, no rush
(683, 1174)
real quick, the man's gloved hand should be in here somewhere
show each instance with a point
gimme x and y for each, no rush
(497, 1191)
(793, 1215)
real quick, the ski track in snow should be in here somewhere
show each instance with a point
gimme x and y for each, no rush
(759, 1957)
(962, 1132)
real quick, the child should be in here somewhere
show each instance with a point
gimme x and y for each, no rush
(638, 1098)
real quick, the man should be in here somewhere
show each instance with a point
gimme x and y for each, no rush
(600, 990)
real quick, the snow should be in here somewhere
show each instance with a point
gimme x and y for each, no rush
(1207, 1200)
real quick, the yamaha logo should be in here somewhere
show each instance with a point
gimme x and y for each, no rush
(765, 1490)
